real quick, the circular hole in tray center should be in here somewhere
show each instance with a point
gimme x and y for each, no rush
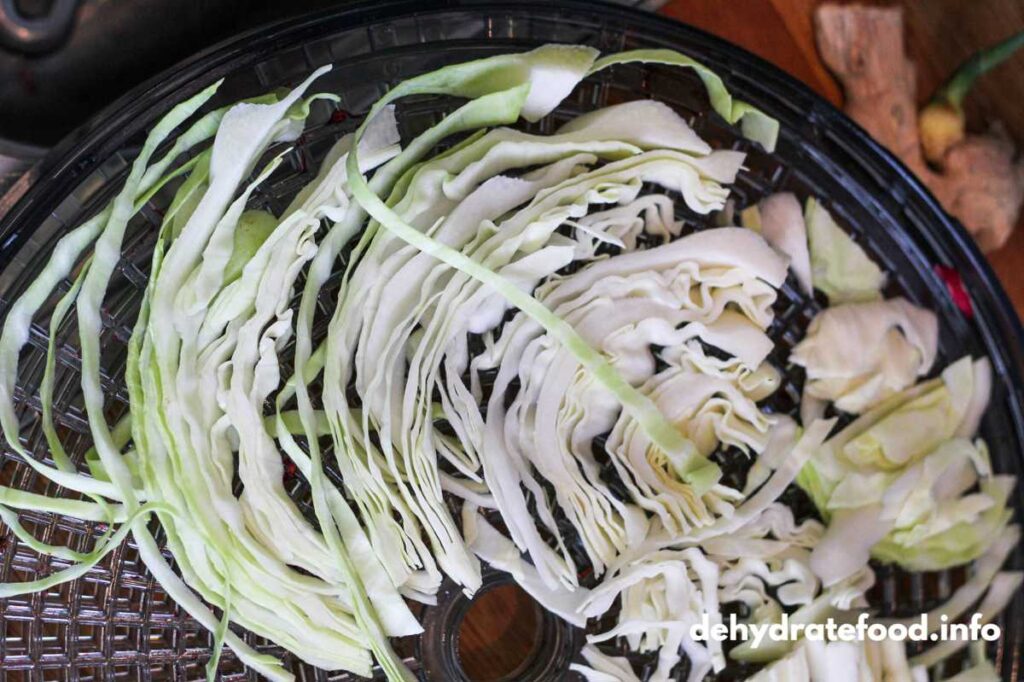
(499, 634)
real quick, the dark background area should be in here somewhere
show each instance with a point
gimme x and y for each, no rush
(110, 46)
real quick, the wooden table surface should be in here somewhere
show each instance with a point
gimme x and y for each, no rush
(940, 34)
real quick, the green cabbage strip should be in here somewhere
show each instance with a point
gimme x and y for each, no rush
(79, 509)
(754, 123)
(57, 452)
(16, 328)
(219, 636)
(532, 70)
(12, 521)
(85, 561)
(839, 265)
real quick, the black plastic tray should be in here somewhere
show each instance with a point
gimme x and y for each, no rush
(116, 622)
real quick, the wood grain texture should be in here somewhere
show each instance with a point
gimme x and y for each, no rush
(940, 35)
(777, 31)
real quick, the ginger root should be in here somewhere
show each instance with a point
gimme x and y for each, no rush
(980, 181)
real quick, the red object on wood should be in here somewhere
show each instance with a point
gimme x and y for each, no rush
(955, 287)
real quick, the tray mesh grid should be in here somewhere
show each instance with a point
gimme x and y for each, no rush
(116, 622)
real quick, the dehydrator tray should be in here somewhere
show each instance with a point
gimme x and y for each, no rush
(117, 623)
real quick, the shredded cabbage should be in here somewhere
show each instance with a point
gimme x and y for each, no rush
(781, 221)
(839, 266)
(520, 324)
(896, 483)
(858, 354)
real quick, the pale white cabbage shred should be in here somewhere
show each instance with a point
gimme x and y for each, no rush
(513, 353)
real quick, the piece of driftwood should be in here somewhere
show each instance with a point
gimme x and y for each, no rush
(981, 179)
